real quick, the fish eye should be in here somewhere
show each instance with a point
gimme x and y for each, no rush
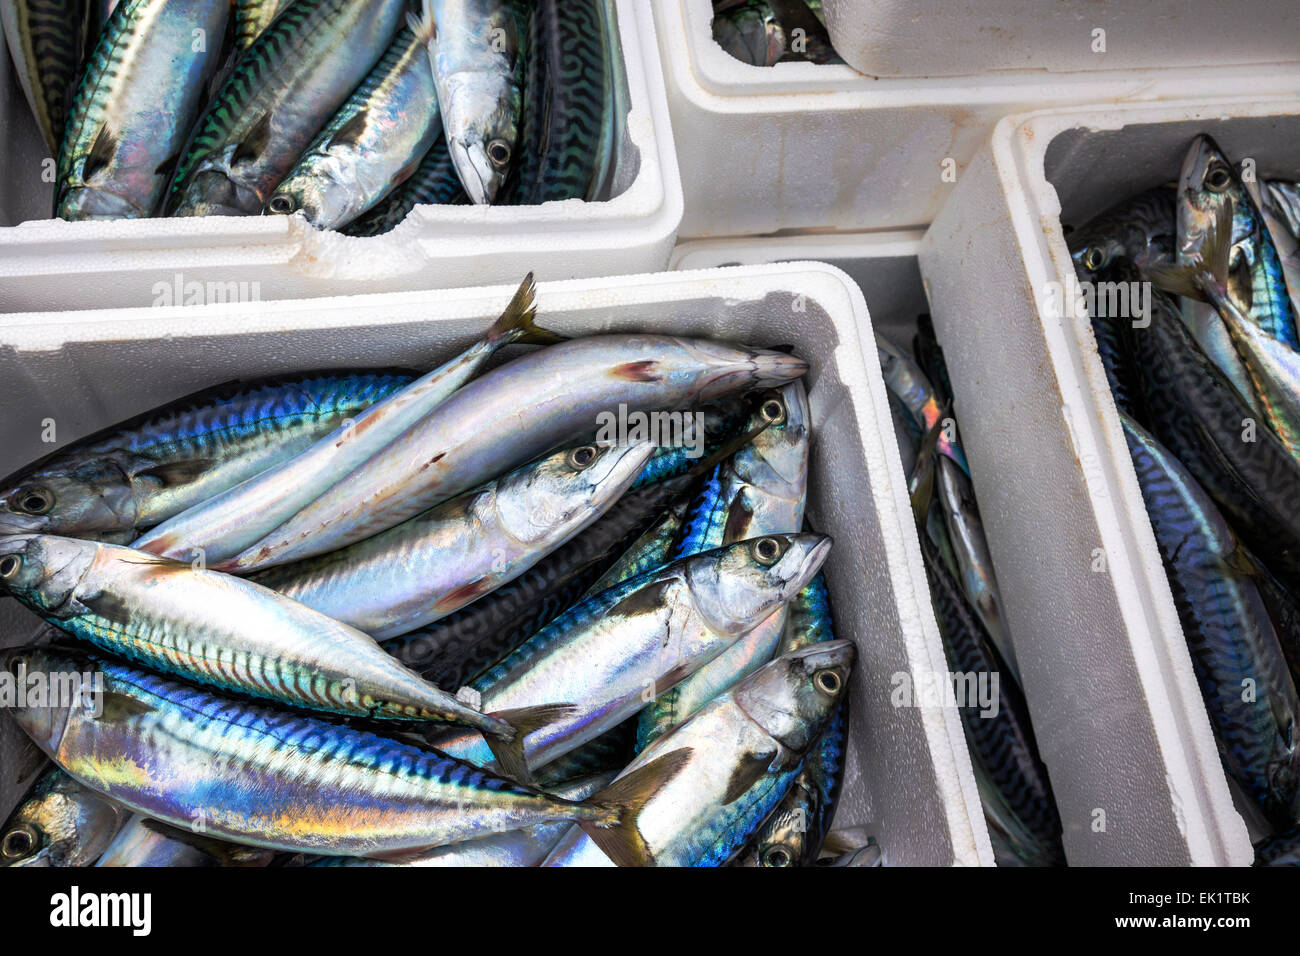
(19, 843)
(1093, 258)
(282, 206)
(1218, 179)
(499, 152)
(773, 411)
(777, 856)
(9, 566)
(581, 458)
(828, 682)
(766, 550)
(34, 501)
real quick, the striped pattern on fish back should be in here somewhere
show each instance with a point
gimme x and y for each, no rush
(50, 35)
(734, 825)
(252, 17)
(100, 78)
(240, 732)
(160, 644)
(230, 414)
(251, 79)
(574, 58)
(1004, 744)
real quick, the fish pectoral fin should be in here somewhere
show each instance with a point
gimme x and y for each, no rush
(255, 143)
(626, 797)
(751, 768)
(509, 754)
(167, 168)
(101, 153)
(398, 857)
(350, 132)
(174, 473)
(650, 598)
(117, 708)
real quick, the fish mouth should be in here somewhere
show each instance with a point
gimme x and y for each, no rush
(15, 524)
(477, 175)
(86, 203)
(812, 561)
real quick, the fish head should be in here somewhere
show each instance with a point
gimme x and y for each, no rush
(738, 586)
(87, 498)
(61, 824)
(776, 461)
(1139, 231)
(565, 490)
(44, 720)
(213, 192)
(1207, 184)
(44, 571)
(481, 120)
(731, 368)
(792, 697)
(322, 196)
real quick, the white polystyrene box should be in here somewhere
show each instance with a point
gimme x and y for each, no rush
(1052, 467)
(907, 38)
(54, 265)
(908, 780)
(807, 146)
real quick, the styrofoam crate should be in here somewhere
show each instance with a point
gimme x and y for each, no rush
(904, 38)
(1053, 471)
(908, 779)
(807, 146)
(144, 262)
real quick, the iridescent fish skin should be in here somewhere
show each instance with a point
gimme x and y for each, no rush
(511, 414)
(1140, 230)
(138, 97)
(745, 750)
(131, 476)
(1209, 187)
(1228, 630)
(271, 778)
(605, 657)
(219, 630)
(906, 380)
(148, 843)
(434, 182)
(252, 17)
(464, 548)
(223, 525)
(282, 91)
(785, 839)
(761, 490)
(45, 40)
(60, 824)
(1282, 849)
(478, 71)
(1271, 199)
(525, 847)
(374, 142)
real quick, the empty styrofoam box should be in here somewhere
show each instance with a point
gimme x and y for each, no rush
(1066, 521)
(905, 38)
(217, 259)
(908, 779)
(809, 146)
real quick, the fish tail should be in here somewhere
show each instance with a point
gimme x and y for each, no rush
(508, 747)
(422, 24)
(1204, 276)
(614, 826)
(516, 322)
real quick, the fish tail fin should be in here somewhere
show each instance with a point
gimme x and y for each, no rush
(1205, 275)
(516, 322)
(620, 804)
(508, 749)
(422, 24)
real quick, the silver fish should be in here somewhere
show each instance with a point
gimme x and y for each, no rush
(60, 823)
(477, 68)
(600, 662)
(221, 526)
(148, 843)
(463, 548)
(743, 753)
(512, 414)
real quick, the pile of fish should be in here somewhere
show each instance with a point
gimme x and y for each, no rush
(768, 32)
(1016, 794)
(375, 618)
(350, 112)
(1207, 382)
